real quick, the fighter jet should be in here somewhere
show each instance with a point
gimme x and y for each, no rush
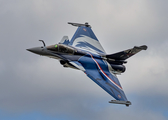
(84, 52)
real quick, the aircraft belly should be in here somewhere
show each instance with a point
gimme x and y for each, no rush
(54, 57)
(71, 57)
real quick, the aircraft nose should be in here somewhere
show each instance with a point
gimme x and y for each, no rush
(37, 50)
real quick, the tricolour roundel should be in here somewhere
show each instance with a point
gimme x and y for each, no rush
(84, 29)
(119, 96)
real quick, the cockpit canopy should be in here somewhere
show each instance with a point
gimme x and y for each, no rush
(61, 48)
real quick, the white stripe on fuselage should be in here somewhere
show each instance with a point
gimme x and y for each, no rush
(105, 73)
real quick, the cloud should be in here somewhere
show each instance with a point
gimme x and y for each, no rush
(31, 83)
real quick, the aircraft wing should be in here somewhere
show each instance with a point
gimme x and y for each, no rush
(123, 55)
(98, 71)
(85, 39)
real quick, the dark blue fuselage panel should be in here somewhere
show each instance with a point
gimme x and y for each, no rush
(97, 70)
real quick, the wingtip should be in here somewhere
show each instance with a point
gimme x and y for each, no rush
(79, 24)
(143, 47)
(127, 103)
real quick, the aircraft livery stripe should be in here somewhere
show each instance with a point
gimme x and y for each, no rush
(106, 74)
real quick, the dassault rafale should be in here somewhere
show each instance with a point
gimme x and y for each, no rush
(84, 52)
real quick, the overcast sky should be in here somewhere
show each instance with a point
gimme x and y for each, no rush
(33, 87)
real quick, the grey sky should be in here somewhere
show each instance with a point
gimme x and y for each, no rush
(31, 83)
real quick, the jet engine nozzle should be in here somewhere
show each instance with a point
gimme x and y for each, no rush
(119, 68)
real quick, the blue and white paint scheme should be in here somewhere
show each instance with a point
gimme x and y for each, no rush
(84, 52)
(85, 39)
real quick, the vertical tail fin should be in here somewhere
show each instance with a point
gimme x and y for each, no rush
(65, 40)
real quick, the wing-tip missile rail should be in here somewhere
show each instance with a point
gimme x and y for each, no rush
(127, 103)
